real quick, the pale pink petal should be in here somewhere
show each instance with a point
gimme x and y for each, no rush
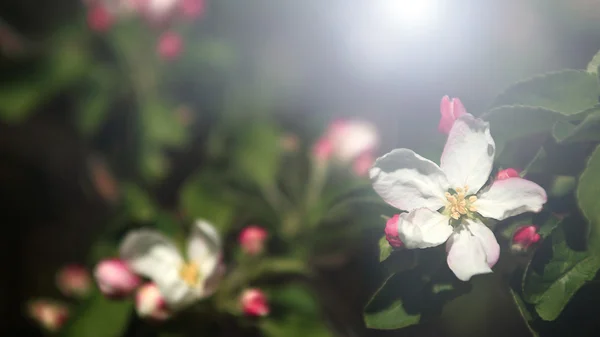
(469, 154)
(466, 255)
(510, 197)
(408, 181)
(423, 228)
(487, 239)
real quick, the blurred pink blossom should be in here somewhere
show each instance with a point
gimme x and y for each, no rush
(115, 279)
(252, 239)
(74, 280)
(450, 109)
(149, 303)
(254, 302)
(170, 46)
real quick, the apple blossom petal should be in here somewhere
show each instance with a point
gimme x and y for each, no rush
(408, 181)
(510, 197)
(176, 292)
(423, 228)
(204, 247)
(487, 240)
(469, 154)
(466, 255)
(150, 254)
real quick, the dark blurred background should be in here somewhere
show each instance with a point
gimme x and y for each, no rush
(348, 59)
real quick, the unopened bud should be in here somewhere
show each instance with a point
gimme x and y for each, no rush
(50, 315)
(507, 173)
(252, 239)
(391, 232)
(74, 280)
(115, 279)
(524, 238)
(149, 303)
(254, 302)
(170, 46)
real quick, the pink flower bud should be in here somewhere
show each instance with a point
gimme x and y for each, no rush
(115, 279)
(363, 163)
(99, 19)
(524, 238)
(507, 173)
(450, 110)
(49, 314)
(106, 185)
(322, 150)
(391, 232)
(149, 303)
(74, 280)
(192, 9)
(170, 46)
(252, 239)
(254, 302)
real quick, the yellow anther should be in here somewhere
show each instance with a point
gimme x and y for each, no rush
(190, 273)
(458, 205)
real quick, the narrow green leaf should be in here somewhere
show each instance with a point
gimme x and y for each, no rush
(138, 203)
(565, 273)
(523, 311)
(385, 249)
(566, 92)
(588, 197)
(394, 305)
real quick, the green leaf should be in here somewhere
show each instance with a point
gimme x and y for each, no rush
(588, 130)
(562, 185)
(562, 276)
(388, 308)
(508, 123)
(203, 196)
(566, 92)
(99, 317)
(138, 203)
(592, 67)
(385, 249)
(161, 125)
(281, 266)
(588, 197)
(523, 311)
(95, 101)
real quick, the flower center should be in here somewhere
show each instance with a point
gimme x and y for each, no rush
(458, 204)
(190, 273)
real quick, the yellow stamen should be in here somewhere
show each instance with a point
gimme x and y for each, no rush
(190, 273)
(458, 204)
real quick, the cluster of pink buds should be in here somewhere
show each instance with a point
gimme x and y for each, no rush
(348, 141)
(103, 14)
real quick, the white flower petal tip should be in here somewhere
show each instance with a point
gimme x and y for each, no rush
(423, 228)
(115, 279)
(509, 197)
(254, 303)
(149, 253)
(408, 181)
(150, 303)
(468, 154)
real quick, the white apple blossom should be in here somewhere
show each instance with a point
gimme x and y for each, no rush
(445, 202)
(181, 282)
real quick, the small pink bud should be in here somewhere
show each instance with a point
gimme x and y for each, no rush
(149, 303)
(99, 19)
(49, 314)
(115, 279)
(252, 239)
(391, 232)
(170, 46)
(74, 280)
(524, 238)
(322, 149)
(106, 185)
(363, 163)
(450, 110)
(507, 173)
(351, 138)
(254, 302)
(192, 9)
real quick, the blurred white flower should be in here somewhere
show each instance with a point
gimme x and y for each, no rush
(181, 282)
